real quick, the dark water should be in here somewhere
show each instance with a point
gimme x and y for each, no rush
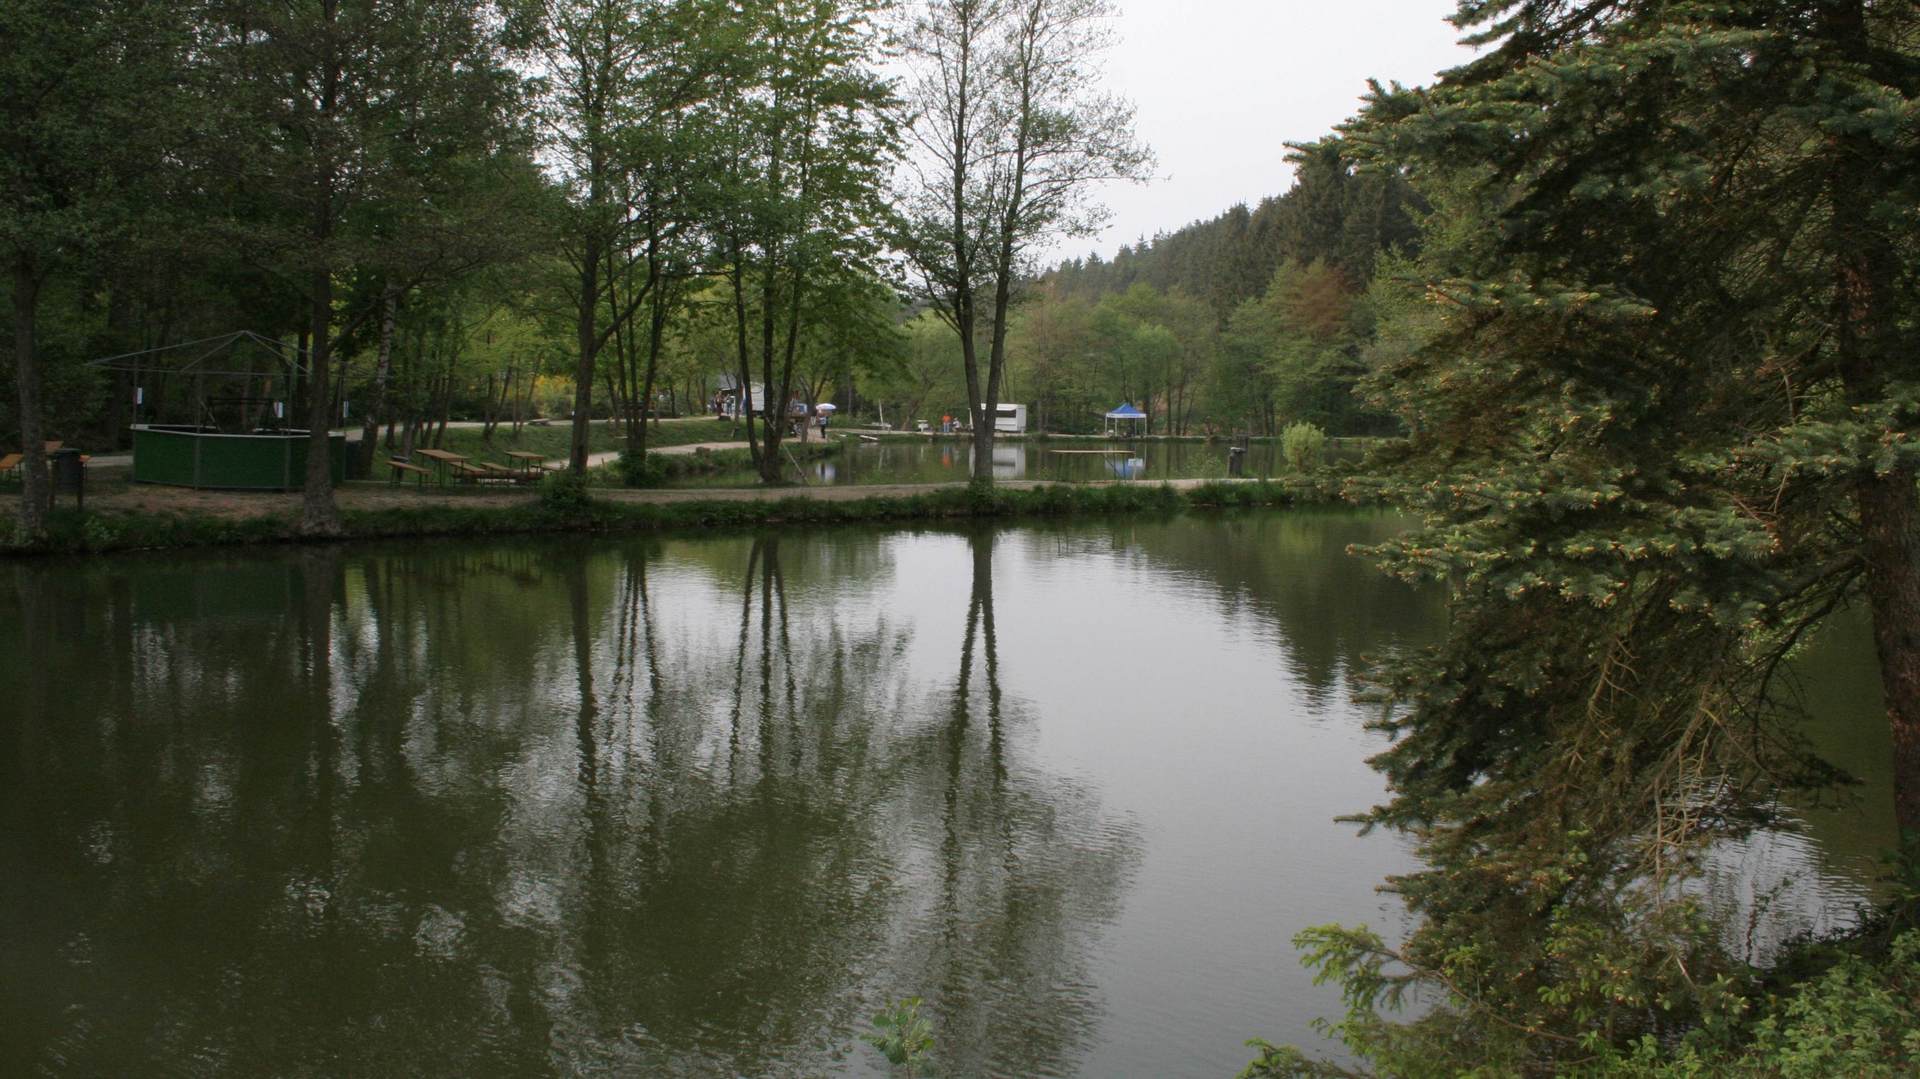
(696, 807)
(1060, 461)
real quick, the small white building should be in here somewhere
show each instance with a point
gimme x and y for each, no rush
(1009, 419)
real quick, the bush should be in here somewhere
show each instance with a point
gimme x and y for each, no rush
(1303, 445)
(642, 470)
(565, 493)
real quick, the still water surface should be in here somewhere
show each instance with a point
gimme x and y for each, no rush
(1057, 461)
(700, 806)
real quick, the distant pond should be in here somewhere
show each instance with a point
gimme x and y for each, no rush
(702, 806)
(896, 460)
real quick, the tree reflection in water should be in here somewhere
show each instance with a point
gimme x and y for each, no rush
(1028, 872)
(513, 809)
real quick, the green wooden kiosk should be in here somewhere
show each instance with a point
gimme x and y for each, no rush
(182, 456)
(229, 396)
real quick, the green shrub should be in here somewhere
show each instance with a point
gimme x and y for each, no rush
(100, 534)
(642, 470)
(566, 493)
(1303, 445)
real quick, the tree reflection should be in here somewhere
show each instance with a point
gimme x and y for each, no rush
(1028, 872)
(511, 809)
(1295, 571)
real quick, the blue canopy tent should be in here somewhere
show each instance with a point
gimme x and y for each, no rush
(1126, 412)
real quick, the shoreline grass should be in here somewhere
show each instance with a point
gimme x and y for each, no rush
(72, 532)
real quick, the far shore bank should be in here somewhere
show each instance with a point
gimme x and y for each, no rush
(149, 518)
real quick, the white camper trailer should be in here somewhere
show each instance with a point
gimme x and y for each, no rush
(1009, 419)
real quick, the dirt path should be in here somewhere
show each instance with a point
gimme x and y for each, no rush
(598, 459)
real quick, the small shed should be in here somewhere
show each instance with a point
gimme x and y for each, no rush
(1125, 414)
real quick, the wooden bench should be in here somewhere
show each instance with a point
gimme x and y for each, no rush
(403, 468)
(507, 473)
(465, 472)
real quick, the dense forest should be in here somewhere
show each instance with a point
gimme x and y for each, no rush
(1244, 322)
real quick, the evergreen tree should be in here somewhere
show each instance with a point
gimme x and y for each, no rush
(1664, 422)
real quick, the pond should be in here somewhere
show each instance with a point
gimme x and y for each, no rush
(896, 460)
(702, 806)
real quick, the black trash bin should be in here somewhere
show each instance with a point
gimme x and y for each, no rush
(69, 475)
(1236, 461)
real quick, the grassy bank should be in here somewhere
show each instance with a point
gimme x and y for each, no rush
(556, 439)
(566, 508)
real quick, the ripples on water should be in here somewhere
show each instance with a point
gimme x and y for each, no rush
(690, 807)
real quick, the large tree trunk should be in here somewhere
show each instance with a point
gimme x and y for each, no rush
(1890, 528)
(744, 408)
(583, 370)
(987, 407)
(656, 328)
(26, 377)
(776, 391)
(377, 409)
(319, 516)
(1869, 348)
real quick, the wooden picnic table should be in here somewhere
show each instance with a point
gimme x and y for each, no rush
(444, 462)
(527, 459)
(11, 463)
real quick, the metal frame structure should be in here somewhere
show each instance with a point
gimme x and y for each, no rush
(190, 359)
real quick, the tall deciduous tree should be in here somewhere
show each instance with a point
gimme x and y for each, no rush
(801, 198)
(1011, 133)
(619, 74)
(88, 102)
(327, 110)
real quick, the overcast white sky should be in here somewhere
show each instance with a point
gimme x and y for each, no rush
(1222, 86)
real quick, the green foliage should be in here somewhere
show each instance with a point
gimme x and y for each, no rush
(1862, 1018)
(904, 1037)
(1858, 1017)
(1303, 445)
(927, 382)
(1334, 214)
(638, 470)
(1655, 365)
(566, 494)
(1013, 130)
